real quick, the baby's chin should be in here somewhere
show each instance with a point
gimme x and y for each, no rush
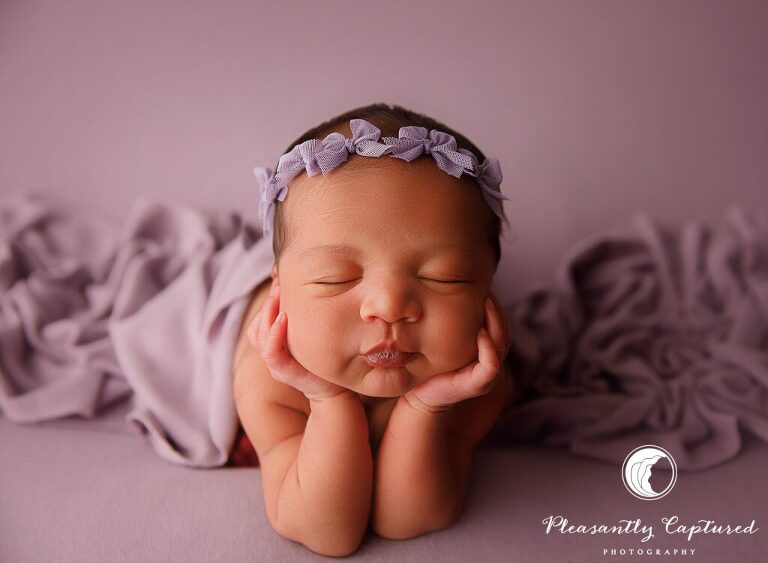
(382, 383)
(391, 382)
(387, 382)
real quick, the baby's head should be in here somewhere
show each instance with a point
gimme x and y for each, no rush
(381, 250)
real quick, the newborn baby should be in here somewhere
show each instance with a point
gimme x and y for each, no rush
(370, 364)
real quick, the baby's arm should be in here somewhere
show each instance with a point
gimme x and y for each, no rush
(419, 471)
(316, 465)
(425, 452)
(423, 463)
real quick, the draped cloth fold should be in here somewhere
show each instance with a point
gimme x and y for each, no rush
(91, 315)
(649, 335)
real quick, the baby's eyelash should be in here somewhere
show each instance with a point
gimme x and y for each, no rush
(445, 281)
(333, 283)
(427, 279)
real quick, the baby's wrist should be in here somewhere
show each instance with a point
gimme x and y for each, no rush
(414, 402)
(343, 395)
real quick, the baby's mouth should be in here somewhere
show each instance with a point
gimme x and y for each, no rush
(389, 358)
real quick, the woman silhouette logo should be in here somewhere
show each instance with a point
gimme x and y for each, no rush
(646, 463)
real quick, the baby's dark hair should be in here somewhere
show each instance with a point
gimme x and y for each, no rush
(389, 119)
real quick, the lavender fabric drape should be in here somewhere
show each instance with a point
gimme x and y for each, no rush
(91, 314)
(647, 335)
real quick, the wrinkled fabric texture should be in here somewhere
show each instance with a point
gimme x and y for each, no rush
(91, 315)
(649, 335)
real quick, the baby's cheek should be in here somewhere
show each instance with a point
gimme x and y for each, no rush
(303, 344)
(453, 342)
(316, 348)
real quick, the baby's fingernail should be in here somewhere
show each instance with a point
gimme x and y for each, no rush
(280, 317)
(489, 302)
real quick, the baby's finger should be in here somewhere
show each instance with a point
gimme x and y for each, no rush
(268, 314)
(483, 377)
(500, 309)
(275, 355)
(488, 360)
(273, 348)
(253, 329)
(495, 325)
(505, 324)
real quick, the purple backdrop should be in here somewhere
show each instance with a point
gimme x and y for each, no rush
(596, 109)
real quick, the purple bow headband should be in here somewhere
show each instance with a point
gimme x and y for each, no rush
(317, 157)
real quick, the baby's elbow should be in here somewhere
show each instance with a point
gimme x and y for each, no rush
(334, 544)
(406, 533)
(400, 530)
(336, 548)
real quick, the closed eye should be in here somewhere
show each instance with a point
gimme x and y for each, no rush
(425, 279)
(334, 283)
(445, 281)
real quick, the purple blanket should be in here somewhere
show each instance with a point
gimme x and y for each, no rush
(90, 315)
(647, 336)
(650, 335)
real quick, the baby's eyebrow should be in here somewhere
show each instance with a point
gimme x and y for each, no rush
(341, 249)
(346, 250)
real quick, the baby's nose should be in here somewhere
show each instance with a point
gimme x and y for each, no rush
(391, 304)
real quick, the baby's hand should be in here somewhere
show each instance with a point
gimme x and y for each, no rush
(268, 335)
(478, 377)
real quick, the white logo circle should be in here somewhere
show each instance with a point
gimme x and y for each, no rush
(636, 471)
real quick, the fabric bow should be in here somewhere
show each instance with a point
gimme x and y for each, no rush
(489, 178)
(364, 141)
(414, 140)
(270, 192)
(323, 156)
(316, 156)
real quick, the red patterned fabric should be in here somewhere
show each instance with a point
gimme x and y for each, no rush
(243, 454)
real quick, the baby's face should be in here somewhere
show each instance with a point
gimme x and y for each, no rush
(405, 246)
